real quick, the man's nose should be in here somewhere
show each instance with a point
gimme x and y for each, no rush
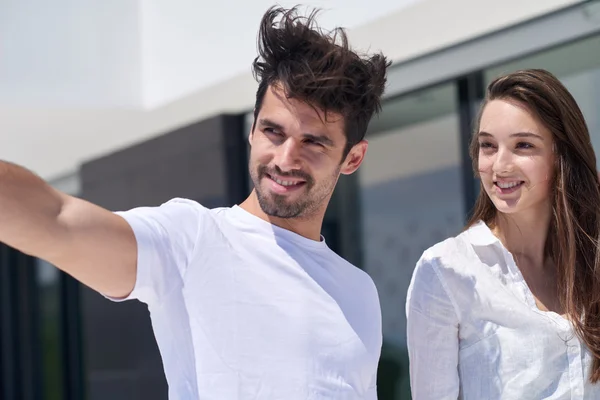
(287, 157)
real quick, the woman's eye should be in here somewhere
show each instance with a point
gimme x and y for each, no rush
(524, 145)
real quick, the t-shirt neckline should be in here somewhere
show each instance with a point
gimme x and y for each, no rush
(266, 226)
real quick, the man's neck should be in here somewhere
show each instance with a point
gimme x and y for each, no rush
(309, 227)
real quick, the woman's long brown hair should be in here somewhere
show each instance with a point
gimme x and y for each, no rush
(572, 241)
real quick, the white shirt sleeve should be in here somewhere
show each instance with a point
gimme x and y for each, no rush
(432, 335)
(166, 238)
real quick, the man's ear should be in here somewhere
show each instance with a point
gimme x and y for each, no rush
(354, 158)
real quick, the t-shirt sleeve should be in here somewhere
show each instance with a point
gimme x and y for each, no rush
(166, 239)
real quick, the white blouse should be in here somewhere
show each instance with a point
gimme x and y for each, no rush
(474, 331)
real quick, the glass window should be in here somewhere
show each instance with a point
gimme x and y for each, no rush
(577, 65)
(411, 197)
(48, 286)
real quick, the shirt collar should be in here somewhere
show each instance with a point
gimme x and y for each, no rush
(481, 235)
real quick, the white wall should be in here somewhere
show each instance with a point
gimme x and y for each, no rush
(70, 53)
(436, 24)
(188, 45)
(180, 86)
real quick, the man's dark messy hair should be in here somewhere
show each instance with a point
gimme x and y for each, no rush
(319, 69)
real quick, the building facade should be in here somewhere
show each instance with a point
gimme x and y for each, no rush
(60, 340)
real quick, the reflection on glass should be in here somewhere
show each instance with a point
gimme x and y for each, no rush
(411, 197)
(48, 284)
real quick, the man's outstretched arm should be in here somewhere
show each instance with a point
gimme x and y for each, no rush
(94, 245)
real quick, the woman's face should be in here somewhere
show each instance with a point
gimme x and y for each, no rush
(516, 158)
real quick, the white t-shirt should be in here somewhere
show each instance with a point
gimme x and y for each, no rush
(475, 331)
(242, 309)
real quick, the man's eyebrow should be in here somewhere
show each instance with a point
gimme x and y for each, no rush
(317, 138)
(269, 123)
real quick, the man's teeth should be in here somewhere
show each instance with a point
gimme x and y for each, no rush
(284, 183)
(506, 185)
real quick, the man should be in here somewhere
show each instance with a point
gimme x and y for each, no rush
(246, 302)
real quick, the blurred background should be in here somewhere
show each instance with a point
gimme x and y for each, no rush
(130, 102)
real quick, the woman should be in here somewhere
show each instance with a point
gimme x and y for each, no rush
(510, 308)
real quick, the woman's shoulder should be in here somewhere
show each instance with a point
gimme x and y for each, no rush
(447, 269)
(454, 254)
